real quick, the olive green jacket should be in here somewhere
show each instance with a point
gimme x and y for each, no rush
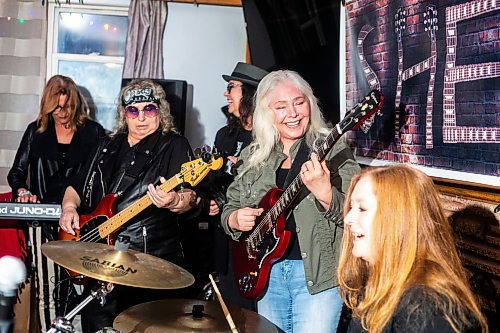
(319, 232)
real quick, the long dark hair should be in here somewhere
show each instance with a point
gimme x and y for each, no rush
(246, 108)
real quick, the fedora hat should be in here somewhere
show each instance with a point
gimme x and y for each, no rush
(246, 73)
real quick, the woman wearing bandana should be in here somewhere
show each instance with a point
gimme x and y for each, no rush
(144, 147)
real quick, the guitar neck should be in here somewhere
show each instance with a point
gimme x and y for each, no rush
(118, 220)
(293, 189)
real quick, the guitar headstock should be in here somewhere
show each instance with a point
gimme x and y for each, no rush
(430, 21)
(400, 23)
(193, 172)
(210, 156)
(367, 107)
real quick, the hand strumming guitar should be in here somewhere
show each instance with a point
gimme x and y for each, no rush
(243, 219)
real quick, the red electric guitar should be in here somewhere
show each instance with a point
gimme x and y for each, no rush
(256, 251)
(104, 221)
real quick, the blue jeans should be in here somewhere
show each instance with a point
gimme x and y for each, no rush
(288, 304)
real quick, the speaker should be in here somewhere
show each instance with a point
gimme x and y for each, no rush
(176, 92)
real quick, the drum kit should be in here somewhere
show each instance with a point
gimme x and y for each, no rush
(114, 265)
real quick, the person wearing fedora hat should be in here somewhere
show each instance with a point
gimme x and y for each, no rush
(229, 141)
(241, 87)
(301, 293)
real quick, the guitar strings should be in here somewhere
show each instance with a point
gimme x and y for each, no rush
(267, 220)
(94, 235)
(329, 140)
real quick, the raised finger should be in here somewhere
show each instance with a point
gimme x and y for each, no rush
(151, 189)
(152, 198)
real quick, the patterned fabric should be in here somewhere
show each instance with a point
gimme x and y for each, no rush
(22, 74)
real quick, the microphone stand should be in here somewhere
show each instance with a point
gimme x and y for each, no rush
(63, 324)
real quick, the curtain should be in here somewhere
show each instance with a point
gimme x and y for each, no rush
(23, 26)
(144, 50)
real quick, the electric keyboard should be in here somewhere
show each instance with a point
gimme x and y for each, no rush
(29, 211)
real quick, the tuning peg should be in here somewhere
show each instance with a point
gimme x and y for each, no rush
(206, 157)
(206, 148)
(197, 152)
(215, 151)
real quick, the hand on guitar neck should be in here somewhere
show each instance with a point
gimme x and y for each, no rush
(162, 196)
(177, 202)
(316, 177)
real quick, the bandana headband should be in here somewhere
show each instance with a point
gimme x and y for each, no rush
(138, 96)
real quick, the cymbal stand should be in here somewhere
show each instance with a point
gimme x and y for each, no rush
(63, 324)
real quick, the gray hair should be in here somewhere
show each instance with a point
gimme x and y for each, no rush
(265, 133)
(166, 119)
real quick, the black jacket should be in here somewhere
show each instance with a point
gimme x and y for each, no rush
(154, 230)
(226, 142)
(417, 312)
(39, 153)
(229, 142)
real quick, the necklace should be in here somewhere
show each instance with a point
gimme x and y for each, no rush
(65, 126)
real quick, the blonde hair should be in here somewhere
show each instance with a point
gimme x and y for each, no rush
(413, 246)
(265, 133)
(62, 85)
(166, 119)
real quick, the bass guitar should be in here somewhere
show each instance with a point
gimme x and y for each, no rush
(104, 221)
(257, 250)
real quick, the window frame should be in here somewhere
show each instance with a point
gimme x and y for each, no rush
(53, 56)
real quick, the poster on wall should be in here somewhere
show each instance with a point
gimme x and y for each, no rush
(438, 65)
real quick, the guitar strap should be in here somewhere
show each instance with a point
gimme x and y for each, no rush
(301, 157)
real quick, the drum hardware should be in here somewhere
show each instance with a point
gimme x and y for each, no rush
(63, 324)
(111, 265)
(108, 330)
(188, 315)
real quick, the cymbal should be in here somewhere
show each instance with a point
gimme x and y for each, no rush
(130, 268)
(179, 315)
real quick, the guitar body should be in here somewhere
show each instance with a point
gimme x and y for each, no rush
(257, 250)
(104, 221)
(90, 222)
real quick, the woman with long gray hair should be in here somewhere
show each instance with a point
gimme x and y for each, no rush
(286, 124)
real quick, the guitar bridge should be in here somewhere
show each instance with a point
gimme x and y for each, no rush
(250, 249)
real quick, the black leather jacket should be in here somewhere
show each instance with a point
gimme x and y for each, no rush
(39, 153)
(154, 231)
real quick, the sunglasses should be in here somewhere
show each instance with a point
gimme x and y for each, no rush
(59, 108)
(232, 85)
(150, 111)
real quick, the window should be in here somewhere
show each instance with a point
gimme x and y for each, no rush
(88, 45)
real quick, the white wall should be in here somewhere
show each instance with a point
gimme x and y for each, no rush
(200, 44)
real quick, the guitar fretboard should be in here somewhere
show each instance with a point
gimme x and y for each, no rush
(363, 110)
(131, 211)
(293, 189)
